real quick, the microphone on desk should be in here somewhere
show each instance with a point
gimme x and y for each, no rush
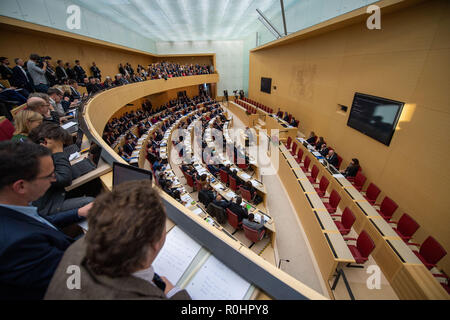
(279, 264)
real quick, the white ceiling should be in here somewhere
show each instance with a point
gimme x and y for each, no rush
(187, 20)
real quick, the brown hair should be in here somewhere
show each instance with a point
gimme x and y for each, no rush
(122, 225)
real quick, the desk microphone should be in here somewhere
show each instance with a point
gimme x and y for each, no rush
(279, 264)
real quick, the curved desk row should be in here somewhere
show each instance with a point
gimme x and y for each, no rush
(409, 278)
(272, 281)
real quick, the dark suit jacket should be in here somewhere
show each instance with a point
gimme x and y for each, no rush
(103, 287)
(19, 79)
(60, 73)
(5, 72)
(222, 203)
(30, 252)
(238, 210)
(333, 160)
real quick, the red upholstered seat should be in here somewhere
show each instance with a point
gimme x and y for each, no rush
(299, 155)
(347, 219)
(364, 247)
(387, 208)
(430, 252)
(323, 185)
(406, 227)
(314, 174)
(359, 181)
(372, 193)
(6, 130)
(288, 143)
(305, 165)
(233, 220)
(294, 148)
(332, 205)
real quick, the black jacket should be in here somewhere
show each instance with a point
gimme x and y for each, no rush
(53, 199)
(238, 210)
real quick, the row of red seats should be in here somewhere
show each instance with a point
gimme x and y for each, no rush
(258, 105)
(250, 109)
(430, 251)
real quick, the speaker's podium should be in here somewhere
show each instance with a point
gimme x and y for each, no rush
(213, 265)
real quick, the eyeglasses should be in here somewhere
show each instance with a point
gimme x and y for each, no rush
(50, 176)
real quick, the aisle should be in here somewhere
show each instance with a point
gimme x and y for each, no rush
(290, 237)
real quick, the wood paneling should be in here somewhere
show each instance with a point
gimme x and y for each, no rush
(407, 60)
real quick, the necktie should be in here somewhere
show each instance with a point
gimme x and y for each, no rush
(159, 282)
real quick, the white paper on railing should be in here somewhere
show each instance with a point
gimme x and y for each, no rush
(317, 154)
(215, 281)
(338, 175)
(245, 176)
(68, 125)
(231, 194)
(177, 253)
(197, 211)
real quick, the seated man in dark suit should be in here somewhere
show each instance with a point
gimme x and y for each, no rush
(352, 168)
(31, 246)
(324, 150)
(221, 202)
(252, 224)
(312, 138)
(114, 263)
(332, 158)
(237, 209)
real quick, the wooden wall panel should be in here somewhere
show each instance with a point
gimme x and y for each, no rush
(407, 60)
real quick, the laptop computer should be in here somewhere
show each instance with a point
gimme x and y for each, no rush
(87, 165)
(124, 172)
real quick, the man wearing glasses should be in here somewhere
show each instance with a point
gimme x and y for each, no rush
(31, 246)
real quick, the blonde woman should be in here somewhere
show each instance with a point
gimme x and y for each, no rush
(25, 121)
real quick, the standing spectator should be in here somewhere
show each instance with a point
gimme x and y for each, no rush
(21, 78)
(70, 72)
(37, 73)
(5, 71)
(50, 74)
(79, 71)
(61, 73)
(96, 73)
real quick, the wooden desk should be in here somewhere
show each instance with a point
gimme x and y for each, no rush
(384, 228)
(326, 222)
(403, 251)
(340, 249)
(101, 169)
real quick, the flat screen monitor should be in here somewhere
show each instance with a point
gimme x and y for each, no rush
(266, 84)
(375, 117)
(124, 172)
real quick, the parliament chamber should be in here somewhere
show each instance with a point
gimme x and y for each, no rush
(322, 177)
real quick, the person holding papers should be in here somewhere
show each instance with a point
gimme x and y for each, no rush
(352, 168)
(127, 230)
(252, 224)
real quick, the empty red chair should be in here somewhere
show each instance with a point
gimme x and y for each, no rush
(253, 235)
(245, 194)
(430, 252)
(189, 180)
(362, 250)
(406, 227)
(333, 203)
(299, 155)
(372, 193)
(314, 174)
(339, 161)
(358, 181)
(323, 185)
(305, 165)
(347, 220)
(387, 208)
(241, 164)
(223, 176)
(271, 110)
(233, 220)
(233, 183)
(6, 130)
(288, 143)
(294, 148)
(290, 118)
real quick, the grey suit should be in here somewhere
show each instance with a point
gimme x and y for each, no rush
(100, 287)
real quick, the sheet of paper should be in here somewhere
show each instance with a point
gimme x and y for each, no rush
(245, 176)
(215, 281)
(177, 253)
(338, 175)
(68, 125)
(197, 211)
